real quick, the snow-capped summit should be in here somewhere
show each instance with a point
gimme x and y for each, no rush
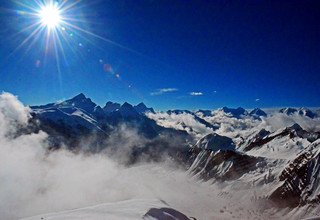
(235, 112)
(215, 142)
(301, 111)
(307, 112)
(178, 111)
(204, 113)
(141, 108)
(258, 113)
(82, 102)
(288, 111)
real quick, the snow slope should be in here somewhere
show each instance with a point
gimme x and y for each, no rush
(122, 210)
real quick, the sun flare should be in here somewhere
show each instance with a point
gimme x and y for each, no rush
(50, 16)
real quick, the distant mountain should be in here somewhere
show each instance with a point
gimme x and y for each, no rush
(141, 108)
(257, 112)
(204, 113)
(80, 117)
(127, 110)
(300, 111)
(235, 112)
(111, 107)
(195, 116)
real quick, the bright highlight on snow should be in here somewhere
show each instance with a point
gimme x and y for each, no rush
(50, 16)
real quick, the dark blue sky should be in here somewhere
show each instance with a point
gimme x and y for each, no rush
(235, 53)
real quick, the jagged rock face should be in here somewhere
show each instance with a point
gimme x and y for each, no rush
(300, 180)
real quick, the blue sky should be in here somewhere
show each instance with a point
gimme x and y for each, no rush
(169, 54)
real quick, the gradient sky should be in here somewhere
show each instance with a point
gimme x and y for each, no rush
(173, 54)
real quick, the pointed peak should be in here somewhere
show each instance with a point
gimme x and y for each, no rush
(235, 112)
(258, 112)
(111, 103)
(126, 104)
(288, 110)
(215, 142)
(295, 127)
(141, 108)
(79, 96)
(141, 104)
(111, 106)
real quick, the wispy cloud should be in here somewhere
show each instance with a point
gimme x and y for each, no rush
(257, 100)
(163, 90)
(196, 93)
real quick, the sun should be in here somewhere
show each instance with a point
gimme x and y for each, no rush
(50, 16)
(55, 26)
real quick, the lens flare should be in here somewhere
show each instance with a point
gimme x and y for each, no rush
(50, 16)
(57, 27)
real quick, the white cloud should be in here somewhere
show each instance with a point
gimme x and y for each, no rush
(184, 122)
(163, 90)
(196, 93)
(257, 100)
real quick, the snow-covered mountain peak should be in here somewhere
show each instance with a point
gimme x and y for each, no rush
(204, 113)
(80, 101)
(301, 111)
(235, 112)
(258, 112)
(215, 142)
(288, 111)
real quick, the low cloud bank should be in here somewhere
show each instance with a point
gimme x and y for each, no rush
(231, 126)
(184, 122)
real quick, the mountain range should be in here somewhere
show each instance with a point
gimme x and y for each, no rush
(236, 147)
